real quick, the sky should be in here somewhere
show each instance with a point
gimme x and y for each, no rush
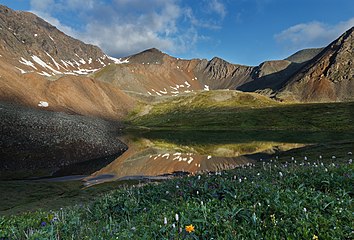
(240, 31)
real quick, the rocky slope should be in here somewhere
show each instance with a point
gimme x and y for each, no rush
(155, 73)
(33, 45)
(37, 143)
(327, 77)
(42, 67)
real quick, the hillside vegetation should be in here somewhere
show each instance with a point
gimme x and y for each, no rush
(233, 110)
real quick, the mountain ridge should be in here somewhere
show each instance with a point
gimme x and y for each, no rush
(31, 48)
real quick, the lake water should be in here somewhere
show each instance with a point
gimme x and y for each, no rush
(165, 154)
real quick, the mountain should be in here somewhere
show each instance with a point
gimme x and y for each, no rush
(304, 55)
(42, 67)
(155, 73)
(327, 77)
(38, 63)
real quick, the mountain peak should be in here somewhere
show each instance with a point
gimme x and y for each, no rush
(148, 56)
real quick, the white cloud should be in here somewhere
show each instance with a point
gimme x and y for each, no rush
(217, 7)
(42, 5)
(312, 34)
(124, 27)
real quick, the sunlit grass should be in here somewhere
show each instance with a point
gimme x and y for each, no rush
(243, 111)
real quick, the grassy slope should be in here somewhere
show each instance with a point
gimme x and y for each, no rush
(273, 201)
(244, 111)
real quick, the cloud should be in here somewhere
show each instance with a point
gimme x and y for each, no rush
(217, 7)
(312, 34)
(124, 27)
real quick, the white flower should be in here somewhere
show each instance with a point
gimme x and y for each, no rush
(173, 225)
(350, 161)
(165, 221)
(177, 217)
(197, 192)
(199, 177)
(305, 158)
(305, 210)
(280, 174)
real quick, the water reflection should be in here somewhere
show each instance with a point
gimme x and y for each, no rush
(152, 158)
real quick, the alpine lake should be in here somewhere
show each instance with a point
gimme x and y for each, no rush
(155, 156)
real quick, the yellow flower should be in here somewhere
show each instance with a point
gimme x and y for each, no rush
(315, 237)
(190, 228)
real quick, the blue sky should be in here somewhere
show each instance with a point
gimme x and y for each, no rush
(239, 31)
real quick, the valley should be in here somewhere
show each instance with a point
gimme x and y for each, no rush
(90, 142)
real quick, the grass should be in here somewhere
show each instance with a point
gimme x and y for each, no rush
(243, 111)
(26, 195)
(277, 199)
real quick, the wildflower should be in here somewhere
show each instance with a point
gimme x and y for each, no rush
(350, 161)
(305, 210)
(199, 177)
(305, 158)
(190, 228)
(272, 217)
(173, 225)
(315, 237)
(333, 157)
(177, 217)
(43, 224)
(280, 174)
(165, 221)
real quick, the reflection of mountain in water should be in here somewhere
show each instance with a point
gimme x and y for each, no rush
(148, 159)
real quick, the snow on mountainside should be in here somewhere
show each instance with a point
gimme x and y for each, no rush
(32, 45)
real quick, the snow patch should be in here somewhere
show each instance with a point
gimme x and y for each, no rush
(43, 104)
(102, 63)
(118, 60)
(43, 73)
(70, 73)
(21, 70)
(28, 63)
(82, 61)
(44, 65)
(56, 64)
(65, 64)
